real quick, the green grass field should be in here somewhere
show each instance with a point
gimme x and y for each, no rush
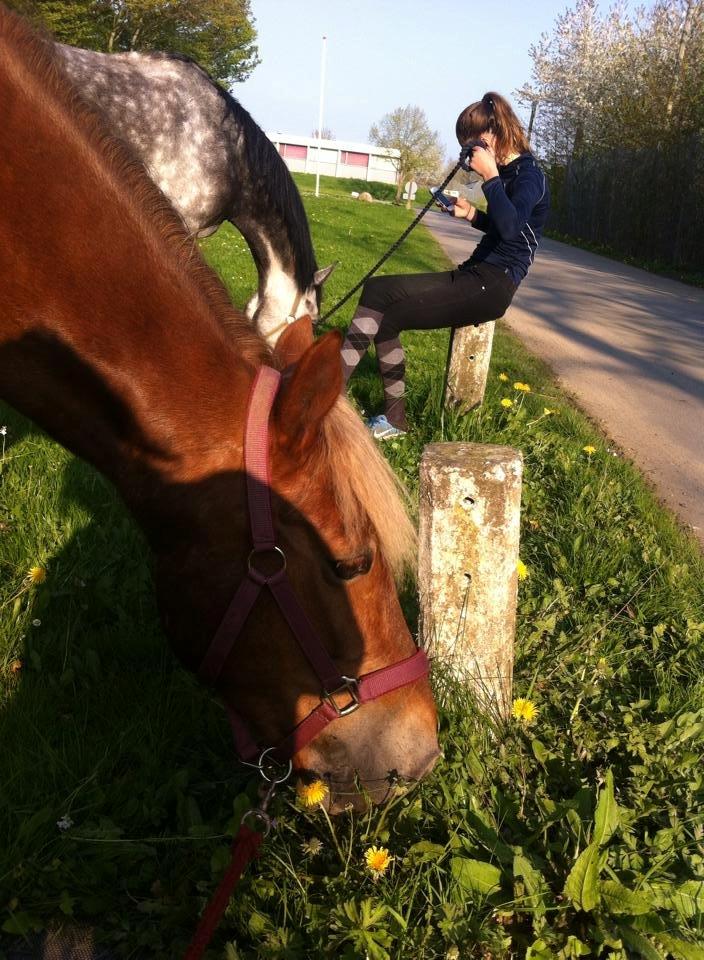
(579, 834)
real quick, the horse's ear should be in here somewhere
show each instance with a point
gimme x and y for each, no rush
(320, 276)
(311, 392)
(293, 342)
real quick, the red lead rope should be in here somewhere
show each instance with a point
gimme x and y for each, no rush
(245, 848)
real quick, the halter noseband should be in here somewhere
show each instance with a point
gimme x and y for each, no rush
(340, 695)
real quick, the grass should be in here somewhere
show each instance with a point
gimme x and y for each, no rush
(581, 834)
(344, 186)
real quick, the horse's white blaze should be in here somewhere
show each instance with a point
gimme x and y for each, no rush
(278, 299)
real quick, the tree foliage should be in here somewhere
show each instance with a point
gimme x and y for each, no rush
(218, 34)
(406, 129)
(618, 79)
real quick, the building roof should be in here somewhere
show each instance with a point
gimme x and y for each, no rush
(351, 145)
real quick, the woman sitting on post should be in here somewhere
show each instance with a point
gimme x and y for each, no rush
(482, 287)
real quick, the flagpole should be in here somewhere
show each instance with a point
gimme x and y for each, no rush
(320, 114)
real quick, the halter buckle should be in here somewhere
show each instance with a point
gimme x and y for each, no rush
(350, 686)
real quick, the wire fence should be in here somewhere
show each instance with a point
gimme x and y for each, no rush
(645, 203)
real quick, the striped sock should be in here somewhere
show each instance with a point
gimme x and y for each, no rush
(364, 327)
(392, 367)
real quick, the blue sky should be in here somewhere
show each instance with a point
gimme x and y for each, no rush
(383, 54)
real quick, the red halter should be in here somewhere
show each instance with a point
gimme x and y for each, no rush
(340, 695)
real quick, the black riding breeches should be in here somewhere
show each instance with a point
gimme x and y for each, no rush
(430, 301)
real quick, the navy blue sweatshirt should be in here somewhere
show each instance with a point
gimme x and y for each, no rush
(518, 204)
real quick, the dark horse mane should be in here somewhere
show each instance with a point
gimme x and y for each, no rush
(275, 178)
(275, 181)
(159, 222)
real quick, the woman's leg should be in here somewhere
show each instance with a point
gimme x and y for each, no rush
(378, 295)
(455, 300)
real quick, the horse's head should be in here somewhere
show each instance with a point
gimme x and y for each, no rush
(282, 301)
(340, 521)
(347, 533)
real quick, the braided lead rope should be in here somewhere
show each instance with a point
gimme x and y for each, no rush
(397, 244)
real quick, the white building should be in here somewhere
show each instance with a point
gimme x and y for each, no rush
(338, 158)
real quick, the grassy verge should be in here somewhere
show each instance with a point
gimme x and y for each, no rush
(580, 833)
(343, 187)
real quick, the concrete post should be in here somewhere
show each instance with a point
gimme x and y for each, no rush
(468, 365)
(470, 499)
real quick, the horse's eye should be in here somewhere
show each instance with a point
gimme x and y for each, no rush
(354, 567)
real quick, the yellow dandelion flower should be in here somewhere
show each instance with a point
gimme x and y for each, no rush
(589, 449)
(311, 794)
(547, 411)
(524, 710)
(377, 860)
(503, 376)
(506, 402)
(521, 570)
(36, 574)
(523, 387)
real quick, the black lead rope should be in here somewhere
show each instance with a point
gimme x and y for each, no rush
(461, 163)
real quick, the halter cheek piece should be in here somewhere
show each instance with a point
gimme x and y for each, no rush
(340, 695)
(291, 318)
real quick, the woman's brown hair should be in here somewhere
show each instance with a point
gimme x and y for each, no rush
(493, 114)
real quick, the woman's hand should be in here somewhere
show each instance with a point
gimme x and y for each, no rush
(463, 209)
(483, 162)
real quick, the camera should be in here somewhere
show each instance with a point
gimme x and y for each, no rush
(467, 151)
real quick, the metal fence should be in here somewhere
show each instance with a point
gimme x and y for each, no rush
(647, 204)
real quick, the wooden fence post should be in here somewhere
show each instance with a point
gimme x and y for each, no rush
(470, 499)
(468, 365)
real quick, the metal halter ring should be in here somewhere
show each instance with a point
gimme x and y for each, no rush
(268, 550)
(260, 815)
(273, 763)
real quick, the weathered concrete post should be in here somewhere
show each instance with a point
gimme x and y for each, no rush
(470, 500)
(468, 365)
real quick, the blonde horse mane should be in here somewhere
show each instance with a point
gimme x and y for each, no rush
(367, 489)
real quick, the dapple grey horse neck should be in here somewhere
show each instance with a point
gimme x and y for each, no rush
(213, 163)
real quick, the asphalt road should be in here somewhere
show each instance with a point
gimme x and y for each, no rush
(627, 345)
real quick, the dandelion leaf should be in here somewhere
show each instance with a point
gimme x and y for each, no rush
(606, 818)
(620, 899)
(688, 898)
(582, 886)
(533, 882)
(476, 876)
(638, 945)
(681, 949)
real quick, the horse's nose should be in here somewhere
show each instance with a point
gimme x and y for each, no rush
(366, 756)
(358, 793)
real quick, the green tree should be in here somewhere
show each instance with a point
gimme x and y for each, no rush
(218, 34)
(620, 78)
(406, 129)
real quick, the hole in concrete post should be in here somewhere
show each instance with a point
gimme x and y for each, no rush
(469, 501)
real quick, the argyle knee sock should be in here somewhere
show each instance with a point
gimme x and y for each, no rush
(364, 327)
(392, 367)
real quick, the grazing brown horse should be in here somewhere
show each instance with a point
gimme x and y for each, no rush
(122, 344)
